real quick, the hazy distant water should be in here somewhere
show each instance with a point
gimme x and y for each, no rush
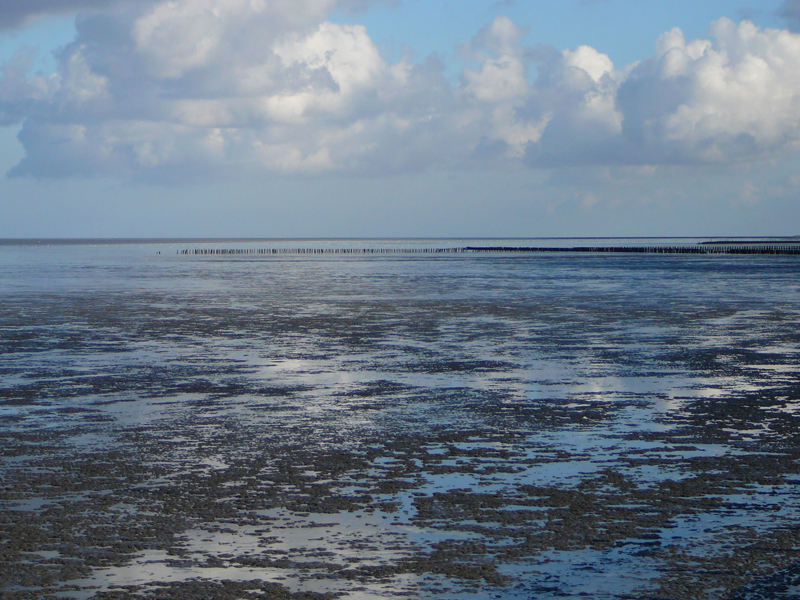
(97, 263)
(466, 408)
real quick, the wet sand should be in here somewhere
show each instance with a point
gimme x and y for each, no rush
(604, 427)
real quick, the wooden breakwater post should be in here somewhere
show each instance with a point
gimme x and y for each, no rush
(786, 249)
(306, 251)
(705, 248)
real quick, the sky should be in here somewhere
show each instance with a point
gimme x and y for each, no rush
(399, 118)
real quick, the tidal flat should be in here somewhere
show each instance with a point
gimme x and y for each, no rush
(450, 427)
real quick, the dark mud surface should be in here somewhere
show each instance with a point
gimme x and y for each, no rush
(451, 427)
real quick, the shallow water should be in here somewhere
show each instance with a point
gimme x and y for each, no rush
(454, 426)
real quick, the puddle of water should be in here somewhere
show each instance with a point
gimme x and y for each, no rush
(374, 427)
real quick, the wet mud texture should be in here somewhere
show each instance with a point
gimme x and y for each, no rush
(491, 427)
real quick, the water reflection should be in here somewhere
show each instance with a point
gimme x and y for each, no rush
(460, 427)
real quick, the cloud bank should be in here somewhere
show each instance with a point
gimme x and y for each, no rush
(220, 87)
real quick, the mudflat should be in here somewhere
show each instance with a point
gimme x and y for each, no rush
(375, 427)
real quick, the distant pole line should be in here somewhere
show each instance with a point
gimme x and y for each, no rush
(702, 248)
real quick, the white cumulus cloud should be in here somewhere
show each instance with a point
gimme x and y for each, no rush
(186, 88)
(734, 98)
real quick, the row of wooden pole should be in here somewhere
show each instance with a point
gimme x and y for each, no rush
(237, 251)
(716, 249)
(732, 249)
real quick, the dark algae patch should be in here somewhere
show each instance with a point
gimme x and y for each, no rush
(455, 426)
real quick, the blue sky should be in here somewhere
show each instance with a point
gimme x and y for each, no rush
(411, 118)
(626, 30)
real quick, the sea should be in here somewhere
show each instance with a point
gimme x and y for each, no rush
(381, 418)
